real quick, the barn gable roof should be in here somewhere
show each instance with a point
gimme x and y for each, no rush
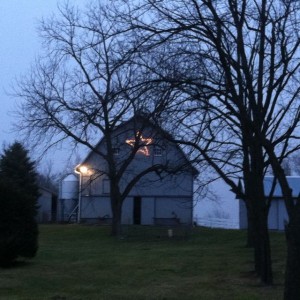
(146, 122)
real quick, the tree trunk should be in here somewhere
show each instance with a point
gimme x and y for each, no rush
(116, 228)
(116, 207)
(266, 275)
(259, 209)
(258, 234)
(256, 250)
(292, 274)
(262, 249)
(250, 229)
(258, 214)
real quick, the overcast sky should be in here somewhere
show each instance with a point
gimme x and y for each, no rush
(18, 48)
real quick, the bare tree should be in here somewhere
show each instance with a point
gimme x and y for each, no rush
(47, 178)
(240, 59)
(83, 88)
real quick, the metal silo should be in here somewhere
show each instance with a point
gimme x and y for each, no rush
(69, 192)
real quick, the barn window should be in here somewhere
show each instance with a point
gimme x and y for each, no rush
(106, 188)
(157, 151)
(116, 151)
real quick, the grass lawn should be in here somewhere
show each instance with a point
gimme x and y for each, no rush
(83, 262)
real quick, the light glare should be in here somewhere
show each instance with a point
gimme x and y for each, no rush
(83, 169)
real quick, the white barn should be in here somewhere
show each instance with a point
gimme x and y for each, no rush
(156, 199)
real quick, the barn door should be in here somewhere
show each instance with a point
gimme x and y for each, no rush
(137, 210)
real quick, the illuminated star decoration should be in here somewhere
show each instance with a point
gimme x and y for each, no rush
(144, 142)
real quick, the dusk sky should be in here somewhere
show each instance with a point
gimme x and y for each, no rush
(19, 46)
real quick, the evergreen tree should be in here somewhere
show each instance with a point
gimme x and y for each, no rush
(18, 205)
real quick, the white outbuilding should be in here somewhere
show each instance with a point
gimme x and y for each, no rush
(221, 209)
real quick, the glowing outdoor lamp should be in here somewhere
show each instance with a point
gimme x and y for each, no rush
(81, 170)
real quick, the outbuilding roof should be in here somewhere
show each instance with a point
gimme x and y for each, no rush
(294, 183)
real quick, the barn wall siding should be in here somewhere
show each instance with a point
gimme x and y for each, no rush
(151, 208)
